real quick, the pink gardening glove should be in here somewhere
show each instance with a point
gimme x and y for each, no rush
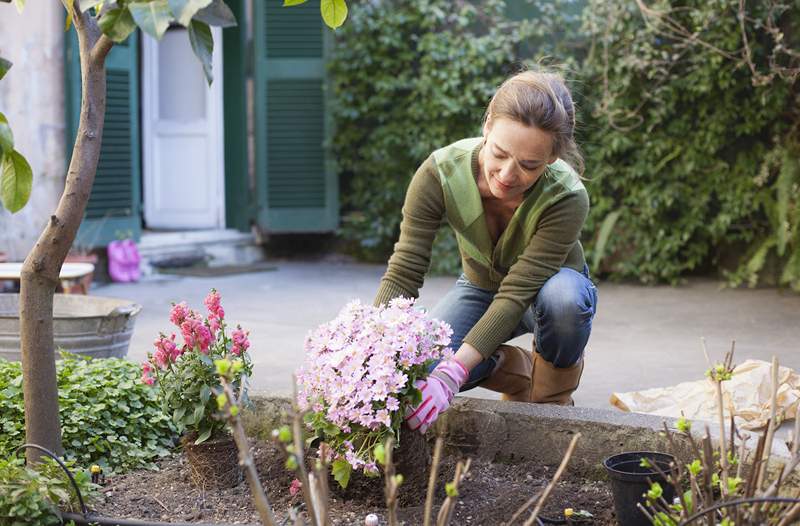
(438, 391)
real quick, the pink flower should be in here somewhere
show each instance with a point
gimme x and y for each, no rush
(240, 341)
(294, 487)
(179, 313)
(212, 303)
(214, 323)
(196, 335)
(147, 370)
(166, 351)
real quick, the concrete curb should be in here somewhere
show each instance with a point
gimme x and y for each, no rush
(513, 432)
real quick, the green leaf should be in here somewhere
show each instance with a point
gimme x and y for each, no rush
(334, 12)
(217, 14)
(20, 4)
(602, 238)
(203, 46)
(205, 394)
(152, 17)
(5, 65)
(15, 181)
(341, 470)
(184, 10)
(204, 435)
(6, 136)
(117, 24)
(289, 3)
(85, 5)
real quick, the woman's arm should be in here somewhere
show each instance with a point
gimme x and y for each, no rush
(423, 211)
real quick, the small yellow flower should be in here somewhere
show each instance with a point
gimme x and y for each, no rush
(568, 512)
(95, 469)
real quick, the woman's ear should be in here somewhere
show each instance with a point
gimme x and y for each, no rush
(487, 127)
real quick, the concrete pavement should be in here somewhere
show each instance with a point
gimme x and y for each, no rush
(642, 337)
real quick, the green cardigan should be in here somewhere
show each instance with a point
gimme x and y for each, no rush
(541, 237)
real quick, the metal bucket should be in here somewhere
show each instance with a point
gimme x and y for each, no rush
(91, 326)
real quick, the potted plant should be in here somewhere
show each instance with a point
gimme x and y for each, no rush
(359, 378)
(188, 384)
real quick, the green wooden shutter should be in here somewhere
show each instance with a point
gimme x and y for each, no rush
(114, 206)
(297, 190)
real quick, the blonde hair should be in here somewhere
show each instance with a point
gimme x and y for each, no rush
(540, 99)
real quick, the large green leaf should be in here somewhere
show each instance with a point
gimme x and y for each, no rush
(117, 23)
(334, 12)
(217, 14)
(341, 470)
(6, 136)
(184, 10)
(289, 3)
(15, 181)
(5, 65)
(152, 17)
(202, 45)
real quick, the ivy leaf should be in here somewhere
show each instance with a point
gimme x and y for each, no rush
(153, 17)
(15, 181)
(117, 24)
(6, 136)
(341, 470)
(184, 10)
(334, 12)
(217, 14)
(289, 3)
(203, 46)
(5, 65)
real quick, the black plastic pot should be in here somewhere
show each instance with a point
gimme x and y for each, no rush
(630, 481)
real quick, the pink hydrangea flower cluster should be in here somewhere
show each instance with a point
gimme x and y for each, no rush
(357, 369)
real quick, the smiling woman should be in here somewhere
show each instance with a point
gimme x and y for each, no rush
(515, 200)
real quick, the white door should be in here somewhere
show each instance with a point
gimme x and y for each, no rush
(182, 135)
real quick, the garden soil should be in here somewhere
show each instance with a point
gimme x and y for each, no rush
(489, 495)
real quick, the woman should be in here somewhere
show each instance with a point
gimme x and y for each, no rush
(517, 208)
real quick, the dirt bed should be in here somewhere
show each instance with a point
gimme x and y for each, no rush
(489, 495)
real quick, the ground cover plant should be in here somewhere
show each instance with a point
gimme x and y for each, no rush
(107, 416)
(34, 497)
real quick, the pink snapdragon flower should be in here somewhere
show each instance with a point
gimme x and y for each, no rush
(196, 335)
(215, 311)
(295, 487)
(166, 351)
(240, 341)
(147, 374)
(179, 313)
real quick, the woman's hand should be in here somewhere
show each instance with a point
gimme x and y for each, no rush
(438, 390)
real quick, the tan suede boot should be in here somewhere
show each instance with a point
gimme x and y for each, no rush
(512, 374)
(554, 385)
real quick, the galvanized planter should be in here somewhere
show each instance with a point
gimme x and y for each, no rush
(91, 326)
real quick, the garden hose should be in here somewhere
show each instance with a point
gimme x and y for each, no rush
(63, 466)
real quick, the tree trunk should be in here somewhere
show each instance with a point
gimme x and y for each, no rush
(39, 276)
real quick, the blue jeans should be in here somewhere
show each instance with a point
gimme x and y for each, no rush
(560, 318)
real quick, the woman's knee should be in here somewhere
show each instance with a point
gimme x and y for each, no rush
(565, 307)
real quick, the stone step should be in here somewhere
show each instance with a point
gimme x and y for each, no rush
(212, 247)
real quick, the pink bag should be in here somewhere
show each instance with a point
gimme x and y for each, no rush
(123, 261)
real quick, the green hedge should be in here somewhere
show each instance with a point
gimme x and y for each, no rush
(689, 163)
(108, 416)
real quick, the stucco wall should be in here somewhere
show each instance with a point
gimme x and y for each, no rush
(32, 98)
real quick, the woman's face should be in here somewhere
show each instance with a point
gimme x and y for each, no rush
(513, 157)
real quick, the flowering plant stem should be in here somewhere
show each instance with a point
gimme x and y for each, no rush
(260, 499)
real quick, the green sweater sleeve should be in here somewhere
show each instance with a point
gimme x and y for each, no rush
(556, 234)
(423, 212)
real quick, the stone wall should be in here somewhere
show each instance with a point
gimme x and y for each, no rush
(32, 96)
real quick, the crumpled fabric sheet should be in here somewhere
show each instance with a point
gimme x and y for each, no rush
(747, 393)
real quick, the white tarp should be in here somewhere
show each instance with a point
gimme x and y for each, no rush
(747, 393)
